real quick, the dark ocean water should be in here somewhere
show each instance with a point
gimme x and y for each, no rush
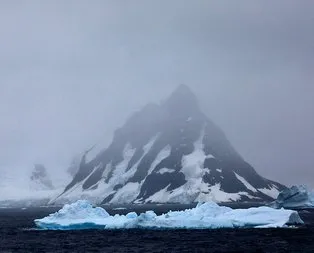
(18, 234)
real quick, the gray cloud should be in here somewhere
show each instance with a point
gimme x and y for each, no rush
(72, 71)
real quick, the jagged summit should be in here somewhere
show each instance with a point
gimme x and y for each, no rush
(183, 92)
(169, 153)
(182, 102)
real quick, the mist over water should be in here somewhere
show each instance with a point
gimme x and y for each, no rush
(72, 72)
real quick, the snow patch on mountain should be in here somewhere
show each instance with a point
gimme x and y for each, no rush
(118, 176)
(101, 189)
(75, 193)
(127, 193)
(165, 170)
(164, 153)
(272, 192)
(193, 164)
(161, 196)
(217, 195)
(246, 183)
(150, 143)
(97, 192)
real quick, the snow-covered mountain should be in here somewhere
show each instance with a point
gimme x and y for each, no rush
(23, 190)
(168, 153)
(30, 186)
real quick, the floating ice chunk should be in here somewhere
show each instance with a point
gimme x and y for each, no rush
(132, 215)
(78, 215)
(82, 215)
(295, 197)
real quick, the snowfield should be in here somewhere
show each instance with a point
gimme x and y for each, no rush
(82, 215)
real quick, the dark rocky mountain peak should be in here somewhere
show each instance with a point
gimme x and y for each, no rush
(182, 102)
(169, 153)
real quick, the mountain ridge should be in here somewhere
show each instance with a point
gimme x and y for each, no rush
(170, 152)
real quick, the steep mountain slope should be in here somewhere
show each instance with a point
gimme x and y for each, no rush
(169, 153)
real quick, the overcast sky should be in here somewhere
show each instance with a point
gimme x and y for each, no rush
(73, 71)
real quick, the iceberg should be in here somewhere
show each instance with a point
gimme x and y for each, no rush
(209, 215)
(78, 215)
(297, 197)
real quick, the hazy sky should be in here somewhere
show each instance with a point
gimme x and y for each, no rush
(73, 71)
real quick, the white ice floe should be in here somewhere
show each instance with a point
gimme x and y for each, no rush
(82, 215)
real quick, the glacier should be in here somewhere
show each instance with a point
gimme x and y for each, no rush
(297, 197)
(209, 215)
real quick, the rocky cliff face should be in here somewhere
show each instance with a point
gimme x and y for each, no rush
(169, 153)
